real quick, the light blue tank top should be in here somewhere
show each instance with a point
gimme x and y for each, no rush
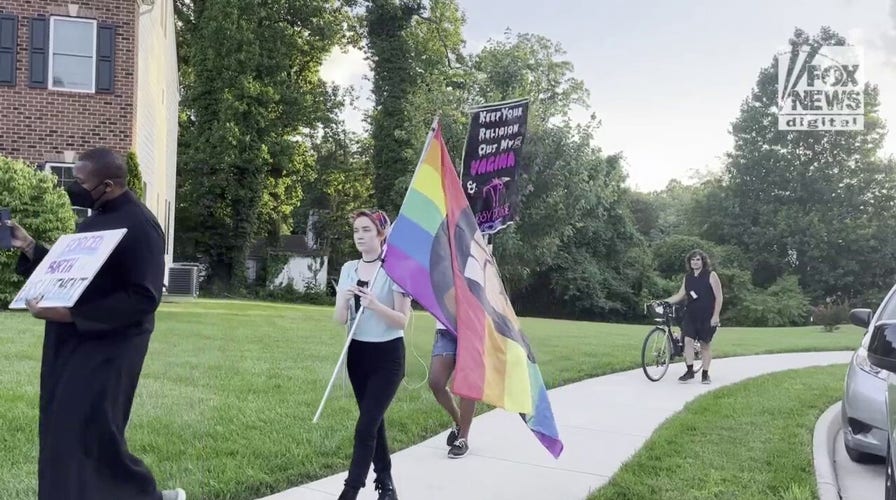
(371, 327)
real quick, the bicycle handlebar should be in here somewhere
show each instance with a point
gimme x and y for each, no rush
(657, 302)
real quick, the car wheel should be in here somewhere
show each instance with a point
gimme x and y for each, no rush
(860, 457)
(890, 482)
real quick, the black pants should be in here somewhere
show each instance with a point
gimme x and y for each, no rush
(375, 370)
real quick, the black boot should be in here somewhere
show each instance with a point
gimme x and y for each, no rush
(348, 494)
(386, 489)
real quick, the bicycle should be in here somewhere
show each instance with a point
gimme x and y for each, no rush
(662, 344)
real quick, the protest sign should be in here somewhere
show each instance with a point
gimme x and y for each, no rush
(492, 157)
(63, 275)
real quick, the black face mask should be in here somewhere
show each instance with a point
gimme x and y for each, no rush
(80, 196)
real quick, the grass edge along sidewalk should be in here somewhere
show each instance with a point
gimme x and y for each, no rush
(752, 439)
(229, 390)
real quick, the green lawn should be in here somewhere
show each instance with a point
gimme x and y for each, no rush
(749, 440)
(229, 389)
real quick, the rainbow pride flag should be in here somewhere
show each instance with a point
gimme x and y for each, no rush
(436, 253)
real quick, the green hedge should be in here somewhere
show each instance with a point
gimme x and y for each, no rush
(36, 204)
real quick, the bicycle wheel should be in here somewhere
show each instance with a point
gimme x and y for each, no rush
(656, 354)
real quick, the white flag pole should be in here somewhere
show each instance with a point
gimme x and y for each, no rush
(348, 341)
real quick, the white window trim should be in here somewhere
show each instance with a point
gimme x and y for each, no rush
(51, 51)
(48, 167)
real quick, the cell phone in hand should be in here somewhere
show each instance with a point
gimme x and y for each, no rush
(360, 284)
(5, 230)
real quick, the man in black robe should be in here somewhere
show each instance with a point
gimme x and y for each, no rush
(93, 352)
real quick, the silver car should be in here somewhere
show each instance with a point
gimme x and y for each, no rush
(864, 410)
(882, 354)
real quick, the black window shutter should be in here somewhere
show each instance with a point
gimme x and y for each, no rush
(38, 51)
(9, 34)
(105, 58)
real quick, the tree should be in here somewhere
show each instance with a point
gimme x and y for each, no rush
(816, 203)
(645, 210)
(670, 254)
(394, 79)
(343, 185)
(574, 250)
(416, 54)
(38, 205)
(252, 96)
(135, 178)
(552, 180)
(529, 65)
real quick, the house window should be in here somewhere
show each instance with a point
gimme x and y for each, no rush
(73, 54)
(64, 176)
(64, 173)
(9, 35)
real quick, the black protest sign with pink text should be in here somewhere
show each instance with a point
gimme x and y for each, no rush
(491, 160)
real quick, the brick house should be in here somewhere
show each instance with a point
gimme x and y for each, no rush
(86, 73)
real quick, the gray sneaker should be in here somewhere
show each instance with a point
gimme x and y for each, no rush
(177, 494)
(458, 449)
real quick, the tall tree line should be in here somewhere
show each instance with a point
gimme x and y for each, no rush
(794, 219)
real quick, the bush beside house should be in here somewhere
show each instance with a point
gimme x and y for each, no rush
(39, 206)
(135, 178)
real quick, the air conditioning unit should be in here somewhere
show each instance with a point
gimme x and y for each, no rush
(183, 280)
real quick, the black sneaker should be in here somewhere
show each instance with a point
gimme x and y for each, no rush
(452, 435)
(687, 377)
(458, 449)
(386, 489)
(705, 378)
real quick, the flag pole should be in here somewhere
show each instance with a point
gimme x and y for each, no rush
(348, 341)
(489, 105)
(432, 132)
(463, 152)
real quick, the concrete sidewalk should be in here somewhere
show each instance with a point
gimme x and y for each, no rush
(857, 481)
(603, 421)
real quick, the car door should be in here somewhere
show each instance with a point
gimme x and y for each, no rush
(887, 311)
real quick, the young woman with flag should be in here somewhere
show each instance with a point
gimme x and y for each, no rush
(376, 354)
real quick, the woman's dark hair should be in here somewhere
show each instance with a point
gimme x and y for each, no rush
(707, 265)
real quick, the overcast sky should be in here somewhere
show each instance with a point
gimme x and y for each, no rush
(667, 77)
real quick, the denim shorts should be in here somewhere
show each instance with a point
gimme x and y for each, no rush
(445, 344)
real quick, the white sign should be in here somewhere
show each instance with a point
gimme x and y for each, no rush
(68, 268)
(821, 90)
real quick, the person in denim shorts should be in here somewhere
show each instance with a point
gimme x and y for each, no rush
(444, 352)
